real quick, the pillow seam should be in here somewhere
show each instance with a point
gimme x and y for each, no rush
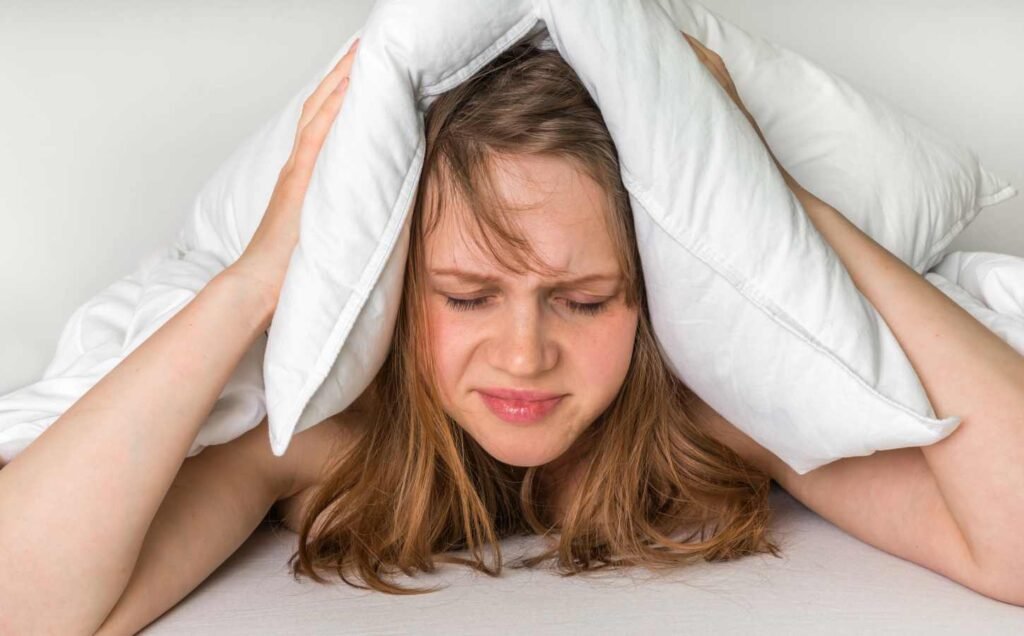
(497, 47)
(979, 204)
(375, 265)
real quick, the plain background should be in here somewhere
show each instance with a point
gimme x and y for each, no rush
(113, 113)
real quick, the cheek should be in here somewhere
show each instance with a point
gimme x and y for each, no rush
(447, 343)
(605, 366)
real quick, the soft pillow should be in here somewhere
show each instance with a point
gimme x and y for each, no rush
(753, 309)
(907, 186)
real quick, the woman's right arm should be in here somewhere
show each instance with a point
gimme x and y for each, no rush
(77, 502)
(216, 501)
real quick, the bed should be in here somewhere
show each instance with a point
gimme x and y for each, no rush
(826, 580)
(204, 83)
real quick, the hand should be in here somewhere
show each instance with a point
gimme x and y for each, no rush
(265, 259)
(714, 63)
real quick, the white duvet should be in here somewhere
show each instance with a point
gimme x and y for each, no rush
(988, 285)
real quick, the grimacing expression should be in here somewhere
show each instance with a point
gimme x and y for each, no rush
(527, 331)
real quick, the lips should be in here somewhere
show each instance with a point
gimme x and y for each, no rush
(519, 394)
(520, 406)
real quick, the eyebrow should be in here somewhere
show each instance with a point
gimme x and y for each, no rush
(476, 277)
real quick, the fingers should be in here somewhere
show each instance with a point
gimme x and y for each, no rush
(311, 138)
(328, 96)
(716, 65)
(330, 82)
(705, 54)
(711, 60)
(698, 49)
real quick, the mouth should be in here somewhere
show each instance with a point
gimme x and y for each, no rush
(520, 411)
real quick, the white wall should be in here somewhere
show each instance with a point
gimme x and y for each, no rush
(113, 113)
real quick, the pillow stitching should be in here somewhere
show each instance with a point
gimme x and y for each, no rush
(768, 308)
(456, 77)
(980, 203)
(997, 197)
(948, 237)
(349, 314)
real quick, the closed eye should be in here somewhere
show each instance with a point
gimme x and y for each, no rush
(464, 304)
(461, 304)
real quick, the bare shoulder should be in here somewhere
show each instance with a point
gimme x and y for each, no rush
(305, 463)
(729, 434)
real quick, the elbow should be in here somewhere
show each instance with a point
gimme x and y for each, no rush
(1004, 584)
(998, 571)
(1007, 594)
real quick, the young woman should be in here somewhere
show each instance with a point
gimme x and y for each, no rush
(524, 393)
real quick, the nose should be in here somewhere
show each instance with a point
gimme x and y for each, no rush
(522, 346)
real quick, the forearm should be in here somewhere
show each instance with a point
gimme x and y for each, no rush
(77, 502)
(216, 500)
(967, 371)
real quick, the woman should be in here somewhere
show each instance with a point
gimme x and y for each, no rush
(435, 455)
(532, 400)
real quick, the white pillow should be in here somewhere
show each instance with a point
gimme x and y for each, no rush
(753, 309)
(905, 185)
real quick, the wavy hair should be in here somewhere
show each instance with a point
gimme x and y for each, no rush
(655, 489)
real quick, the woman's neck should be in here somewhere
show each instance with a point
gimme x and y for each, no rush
(560, 480)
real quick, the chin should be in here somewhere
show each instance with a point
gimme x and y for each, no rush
(525, 452)
(521, 460)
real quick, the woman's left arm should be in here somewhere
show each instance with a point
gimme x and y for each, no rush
(967, 371)
(955, 506)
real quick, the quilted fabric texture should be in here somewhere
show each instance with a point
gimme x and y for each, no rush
(753, 309)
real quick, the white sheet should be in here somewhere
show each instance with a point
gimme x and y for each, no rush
(826, 582)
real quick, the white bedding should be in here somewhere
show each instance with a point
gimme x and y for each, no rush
(827, 582)
(988, 285)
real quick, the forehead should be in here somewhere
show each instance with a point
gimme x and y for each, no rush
(559, 210)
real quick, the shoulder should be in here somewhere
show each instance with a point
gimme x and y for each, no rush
(304, 465)
(305, 462)
(730, 435)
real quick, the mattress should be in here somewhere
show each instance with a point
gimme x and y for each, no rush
(825, 580)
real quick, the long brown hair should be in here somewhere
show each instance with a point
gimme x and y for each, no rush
(414, 487)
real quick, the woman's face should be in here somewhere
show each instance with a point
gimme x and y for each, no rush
(527, 332)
